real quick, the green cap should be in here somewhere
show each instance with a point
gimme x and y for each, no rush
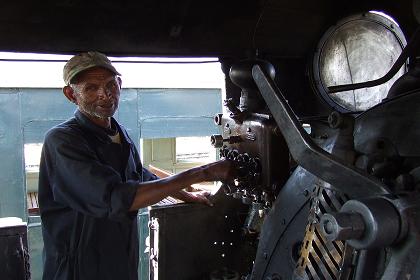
(84, 61)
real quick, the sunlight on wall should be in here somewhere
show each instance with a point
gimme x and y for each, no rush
(46, 71)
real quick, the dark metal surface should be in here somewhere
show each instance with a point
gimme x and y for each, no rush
(388, 122)
(14, 256)
(241, 75)
(416, 9)
(369, 264)
(391, 229)
(342, 226)
(366, 224)
(319, 257)
(182, 28)
(190, 241)
(342, 176)
(260, 150)
(405, 255)
(284, 228)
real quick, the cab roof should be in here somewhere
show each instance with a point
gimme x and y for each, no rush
(182, 28)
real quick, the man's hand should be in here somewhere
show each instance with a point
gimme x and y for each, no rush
(222, 170)
(197, 197)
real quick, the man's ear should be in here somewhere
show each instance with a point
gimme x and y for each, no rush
(119, 81)
(69, 93)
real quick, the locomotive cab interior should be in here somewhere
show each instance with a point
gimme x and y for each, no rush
(320, 114)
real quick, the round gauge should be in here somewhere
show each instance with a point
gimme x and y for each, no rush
(357, 49)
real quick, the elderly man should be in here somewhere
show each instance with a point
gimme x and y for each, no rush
(91, 181)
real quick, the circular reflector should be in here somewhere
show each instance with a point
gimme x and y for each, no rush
(357, 49)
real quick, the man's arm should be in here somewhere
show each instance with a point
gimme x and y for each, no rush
(79, 180)
(152, 192)
(183, 195)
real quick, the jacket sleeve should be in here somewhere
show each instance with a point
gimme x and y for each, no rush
(80, 181)
(147, 175)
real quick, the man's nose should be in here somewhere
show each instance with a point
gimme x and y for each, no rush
(103, 92)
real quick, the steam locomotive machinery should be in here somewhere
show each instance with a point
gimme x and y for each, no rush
(253, 141)
(356, 189)
(339, 203)
(363, 218)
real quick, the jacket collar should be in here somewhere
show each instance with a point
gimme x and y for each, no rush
(96, 130)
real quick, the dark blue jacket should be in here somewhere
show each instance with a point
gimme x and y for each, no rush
(86, 187)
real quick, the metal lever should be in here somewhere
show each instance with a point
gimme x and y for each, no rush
(310, 156)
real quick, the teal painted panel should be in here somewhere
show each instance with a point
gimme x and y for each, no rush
(178, 127)
(36, 246)
(127, 114)
(143, 226)
(178, 112)
(41, 109)
(179, 102)
(12, 188)
(45, 104)
(34, 131)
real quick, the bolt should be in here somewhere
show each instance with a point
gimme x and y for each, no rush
(227, 128)
(274, 187)
(404, 182)
(276, 131)
(216, 140)
(342, 226)
(335, 120)
(328, 227)
(218, 119)
(246, 199)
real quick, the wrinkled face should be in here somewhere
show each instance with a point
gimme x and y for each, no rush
(97, 92)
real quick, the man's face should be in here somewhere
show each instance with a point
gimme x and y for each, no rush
(97, 92)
